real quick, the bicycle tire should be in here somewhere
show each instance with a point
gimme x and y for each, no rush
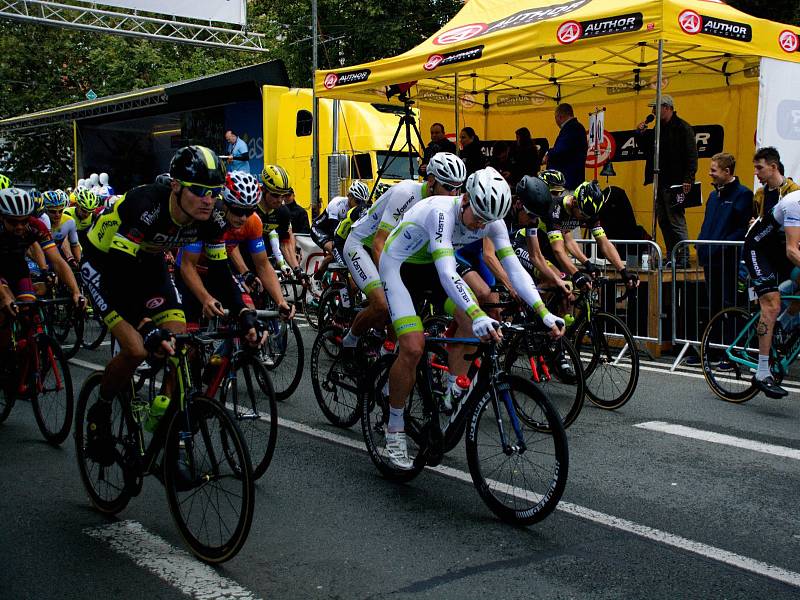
(339, 403)
(311, 302)
(286, 359)
(375, 417)
(94, 330)
(506, 500)
(107, 486)
(564, 393)
(720, 333)
(188, 475)
(591, 340)
(53, 410)
(8, 386)
(255, 411)
(65, 319)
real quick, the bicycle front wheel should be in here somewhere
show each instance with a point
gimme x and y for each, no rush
(519, 471)
(334, 382)
(94, 329)
(209, 480)
(610, 359)
(52, 391)
(283, 356)
(728, 331)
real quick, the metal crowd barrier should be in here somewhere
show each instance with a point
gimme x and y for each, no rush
(641, 311)
(701, 291)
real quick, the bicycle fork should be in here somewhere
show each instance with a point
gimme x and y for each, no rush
(501, 399)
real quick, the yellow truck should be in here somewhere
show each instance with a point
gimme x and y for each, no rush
(365, 132)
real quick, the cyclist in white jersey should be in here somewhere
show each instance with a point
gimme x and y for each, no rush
(324, 226)
(362, 250)
(419, 258)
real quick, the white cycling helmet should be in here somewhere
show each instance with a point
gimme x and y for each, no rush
(359, 191)
(447, 169)
(15, 202)
(241, 190)
(488, 194)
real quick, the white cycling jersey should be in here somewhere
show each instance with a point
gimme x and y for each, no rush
(66, 229)
(337, 208)
(388, 210)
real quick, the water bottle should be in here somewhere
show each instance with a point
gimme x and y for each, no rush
(458, 391)
(157, 410)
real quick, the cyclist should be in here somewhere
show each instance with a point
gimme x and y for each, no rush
(419, 259)
(324, 226)
(5, 182)
(771, 249)
(62, 226)
(87, 207)
(20, 232)
(362, 250)
(277, 218)
(124, 269)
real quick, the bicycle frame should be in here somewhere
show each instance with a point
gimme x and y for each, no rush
(25, 328)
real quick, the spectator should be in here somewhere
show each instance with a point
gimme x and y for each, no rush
(678, 165)
(769, 171)
(438, 143)
(299, 215)
(569, 151)
(525, 156)
(501, 159)
(236, 148)
(471, 152)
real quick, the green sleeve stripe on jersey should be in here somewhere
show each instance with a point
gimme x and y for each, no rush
(407, 325)
(442, 253)
(540, 308)
(384, 226)
(474, 311)
(373, 285)
(505, 252)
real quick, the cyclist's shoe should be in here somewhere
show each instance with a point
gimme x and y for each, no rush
(724, 366)
(397, 449)
(183, 473)
(563, 366)
(769, 387)
(99, 441)
(693, 360)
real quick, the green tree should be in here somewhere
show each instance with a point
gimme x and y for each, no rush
(785, 11)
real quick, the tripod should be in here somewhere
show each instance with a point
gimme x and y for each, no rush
(408, 123)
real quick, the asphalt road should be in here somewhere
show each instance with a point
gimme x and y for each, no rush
(648, 513)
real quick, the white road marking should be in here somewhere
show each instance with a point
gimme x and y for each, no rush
(719, 438)
(177, 567)
(711, 552)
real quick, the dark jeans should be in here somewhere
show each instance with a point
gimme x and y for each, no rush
(672, 222)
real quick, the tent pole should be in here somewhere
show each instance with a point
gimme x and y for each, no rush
(657, 145)
(314, 204)
(455, 105)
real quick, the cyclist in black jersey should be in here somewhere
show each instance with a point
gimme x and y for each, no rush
(277, 218)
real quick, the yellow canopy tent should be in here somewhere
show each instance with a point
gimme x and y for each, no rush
(498, 65)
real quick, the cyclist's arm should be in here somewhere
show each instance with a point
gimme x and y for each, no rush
(540, 262)
(190, 255)
(378, 242)
(520, 278)
(792, 242)
(62, 269)
(574, 248)
(288, 246)
(560, 251)
(238, 265)
(493, 263)
(391, 216)
(286, 236)
(269, 279)
(609, 251)
(35, 252)
(74, 244)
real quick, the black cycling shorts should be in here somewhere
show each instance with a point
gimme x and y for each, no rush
(321, 236)
(765, 257)
(422, 282)
(191, 305)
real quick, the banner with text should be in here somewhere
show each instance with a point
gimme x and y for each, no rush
(779, 111)
(225, 11)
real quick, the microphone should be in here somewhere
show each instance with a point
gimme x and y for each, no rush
(650, 118)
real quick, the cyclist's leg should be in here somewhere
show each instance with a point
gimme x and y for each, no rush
(366, 276)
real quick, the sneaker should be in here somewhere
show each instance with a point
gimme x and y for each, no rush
(724, 366)
(397, 449)
(99, 441)
(692, 360)
(769, 387)
(564, 367)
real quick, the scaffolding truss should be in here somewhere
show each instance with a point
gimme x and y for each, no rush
(89, 18)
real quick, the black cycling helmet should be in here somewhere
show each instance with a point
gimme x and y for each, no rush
(555, 180)
(163, 179)
(197, 165)
(535, 196)
(590, 198)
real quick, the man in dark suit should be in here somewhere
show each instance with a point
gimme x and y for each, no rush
(438, 143)
(568, 153)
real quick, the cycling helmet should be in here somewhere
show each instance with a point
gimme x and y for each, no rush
(535, 195)
(359, 191)
(163, 179)
(447, 168)
(197, 165)
(590, 198)
(87, 199)
(554, 179)
(52, 199)
(381, 188)
(276, 180)
(5, 182)
(489, 195)
(241, 190)
(15, 202)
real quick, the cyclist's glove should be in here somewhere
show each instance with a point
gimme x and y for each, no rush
(152, 336)
(483, 326)
(580, 279)
(248, 320)
(550, 319)
(298, 273)
(591, 269)
(629, 277)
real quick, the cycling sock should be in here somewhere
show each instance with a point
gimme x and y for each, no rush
(763, 367)
(350, 340)
(396, 421)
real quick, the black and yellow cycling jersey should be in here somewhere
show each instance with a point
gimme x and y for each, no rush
(278, 220)
(82, 225)
(141, 221)
(344, 226)
(560, 221)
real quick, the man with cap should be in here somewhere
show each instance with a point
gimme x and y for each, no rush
(677, 164)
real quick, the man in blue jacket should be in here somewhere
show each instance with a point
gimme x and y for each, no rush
(238, 151)
(728, 213)
(568, 153)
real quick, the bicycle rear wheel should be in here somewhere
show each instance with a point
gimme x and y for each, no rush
(283, 356)
(104, 478)
(51, 390)
(94, 329)
(8, 385)
(209, 480)
(523, 479)
(610, 359)
(66, 323)
(729, 380)
(335, 384)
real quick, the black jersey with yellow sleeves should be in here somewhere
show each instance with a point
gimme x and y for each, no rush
(278, 220)
(140, 221)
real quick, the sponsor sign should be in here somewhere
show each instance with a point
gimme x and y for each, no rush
(789, 41)
(467, 101)
(788, 119)
(605, 151)
(571, 31)
(429, 95)
(710, 140)
(523, 17)
(333, 80)
(229, 11)
(514, 100)
(442, 60)
(693, 23)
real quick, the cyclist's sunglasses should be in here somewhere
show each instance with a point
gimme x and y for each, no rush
(241, 212)
(202, 190)
(450, 188)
